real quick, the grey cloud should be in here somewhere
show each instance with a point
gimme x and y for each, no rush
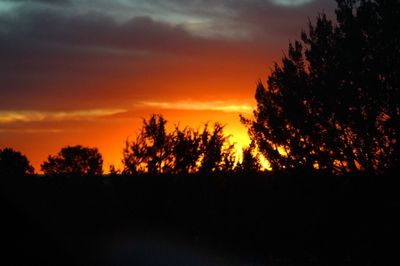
(52, 57)
(52, 2)
(93, 30)
(248, 18)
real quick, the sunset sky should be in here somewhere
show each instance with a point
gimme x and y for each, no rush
(87, 71)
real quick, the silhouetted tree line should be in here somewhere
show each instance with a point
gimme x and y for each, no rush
(181, 151)
(154, 151)
(334, 101)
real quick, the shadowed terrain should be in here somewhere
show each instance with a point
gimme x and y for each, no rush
(286, 219)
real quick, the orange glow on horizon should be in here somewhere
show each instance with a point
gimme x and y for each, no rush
(218, 86)
(110, 133)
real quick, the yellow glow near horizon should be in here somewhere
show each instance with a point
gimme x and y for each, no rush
(39, 134)
(35, 116)
(222, 106)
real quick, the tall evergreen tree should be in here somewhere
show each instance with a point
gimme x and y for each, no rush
(333, 103)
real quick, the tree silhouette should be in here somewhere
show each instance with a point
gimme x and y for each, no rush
(14, 163)
(250, 162)
(156, 151)
(113, 171)
(217, 152)
(186, 150)
(151, 152)
(333, 103)
(74, 160)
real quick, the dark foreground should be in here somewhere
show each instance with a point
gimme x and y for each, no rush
(236, 219)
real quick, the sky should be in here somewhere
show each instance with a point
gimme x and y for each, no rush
(89, 71)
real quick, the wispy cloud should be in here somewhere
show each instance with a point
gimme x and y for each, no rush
(35, 116)
(198, 106)
(292, 3)
(32, 130)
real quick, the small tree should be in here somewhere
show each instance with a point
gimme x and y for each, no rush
(74, 160)
(250, 162)
(113, 171)
(135, 156)
(151, 152)
(216, 151)
(14, 163)
(186, 150)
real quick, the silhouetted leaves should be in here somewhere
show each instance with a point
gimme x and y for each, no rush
(250, 162)
(181, 151)
(186, 150)
(217, 152)
(74, 160)
(14, 163)
(334, 101)
(151, 152)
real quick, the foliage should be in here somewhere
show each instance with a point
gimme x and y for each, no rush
(14, 163)
(182, 151)
(74, 160)
(151, 152)
(113, 171)
(217, 152)
(250, 162)
(333, 103)
(186, 150)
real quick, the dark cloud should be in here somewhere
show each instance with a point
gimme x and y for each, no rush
(73, 57)
(35, 31)
(273, 22)
(92, 30)
(46, 55)
(30, 29)
(52, 2)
